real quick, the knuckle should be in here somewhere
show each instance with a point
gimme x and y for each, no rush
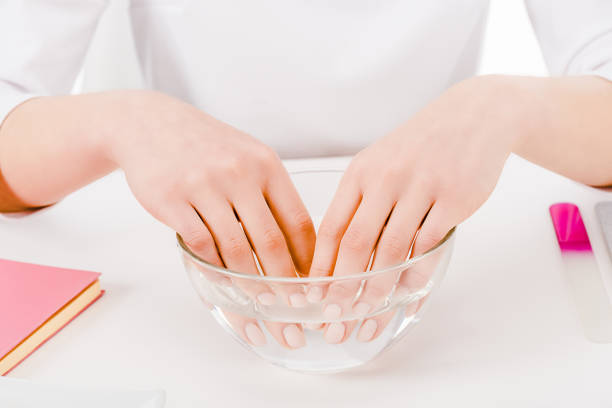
(273, 240)
(232, 167)
(198, 240)
(392, 173)
(394, 246)
(427, 239)
(354, 240)
(319, 270)
(194, 180)
(267, 155)
(424, 181)
(302, 222)
(236, 248)
(329, 232)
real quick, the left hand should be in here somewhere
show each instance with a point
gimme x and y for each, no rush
(443, 164)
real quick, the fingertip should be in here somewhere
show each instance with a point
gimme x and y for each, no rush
(314, 294)
(367, 330)
(255, 335)
(335, 333)
(294, 336)
(297, 300)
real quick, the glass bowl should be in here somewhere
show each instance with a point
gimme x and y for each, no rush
(298, 338)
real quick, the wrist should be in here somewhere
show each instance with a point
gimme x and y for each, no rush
(121, 116)
(512, 105)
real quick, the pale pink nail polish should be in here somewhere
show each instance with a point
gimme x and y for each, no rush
(313, 326)
(294, 336)
(297, 300)
(361, 309)
(334, 333)
(367, 330)
(315, 294)
(332, 311)
(266, 298)
(255, 335)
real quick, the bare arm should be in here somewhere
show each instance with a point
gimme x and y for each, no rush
(565, 125)
(51, 146)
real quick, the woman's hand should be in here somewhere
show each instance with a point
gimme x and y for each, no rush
(222, 190)
(435, 169)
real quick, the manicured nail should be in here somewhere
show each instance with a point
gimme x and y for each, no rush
(334, 333)
(297, 300)
(266, 298)
(367, 330)
(315, 294)
(255, 335)
(361, 309)
(332, 311)
(294, 336)
(313, 326)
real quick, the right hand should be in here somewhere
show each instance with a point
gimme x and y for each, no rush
(222, 190)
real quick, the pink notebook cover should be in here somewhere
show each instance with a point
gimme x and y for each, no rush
(30, 294)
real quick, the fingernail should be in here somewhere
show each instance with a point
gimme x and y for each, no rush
(361, 308)
(297, 300)
(266, 298)
(255, 335)
(315, 294)
(367, 330)
(334, 333)
(294, 336)
(332, 311)
(313, 326)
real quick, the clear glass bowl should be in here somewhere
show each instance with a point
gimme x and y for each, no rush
(269, 329)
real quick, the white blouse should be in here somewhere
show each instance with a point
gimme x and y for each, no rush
(309, 78)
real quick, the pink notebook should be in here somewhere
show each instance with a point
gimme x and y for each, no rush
(37, 301)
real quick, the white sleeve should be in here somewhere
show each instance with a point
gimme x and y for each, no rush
(575, 35)
(42, 46)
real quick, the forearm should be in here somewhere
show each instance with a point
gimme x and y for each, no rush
(564, 124)
(51, 146)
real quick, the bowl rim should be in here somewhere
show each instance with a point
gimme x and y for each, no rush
(321, 279)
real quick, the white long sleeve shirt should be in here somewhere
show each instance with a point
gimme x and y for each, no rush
(309, 78)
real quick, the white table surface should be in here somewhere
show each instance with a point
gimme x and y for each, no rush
(501, 330)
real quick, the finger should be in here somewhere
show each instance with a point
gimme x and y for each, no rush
(270, 246)
(338, 332)
(372, 327)
(438, 222)
(246, 327)
(292, 218)
(236, 252)
(332, 228)
(194, 233)
(355, 251)
(233, 247)
(287, 335)
(392, 249)
(196, 236)
(354, 255)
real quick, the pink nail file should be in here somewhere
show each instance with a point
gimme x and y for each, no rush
(582, 273)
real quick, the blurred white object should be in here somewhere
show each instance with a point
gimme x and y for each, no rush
(306, 78)
(28, 394)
